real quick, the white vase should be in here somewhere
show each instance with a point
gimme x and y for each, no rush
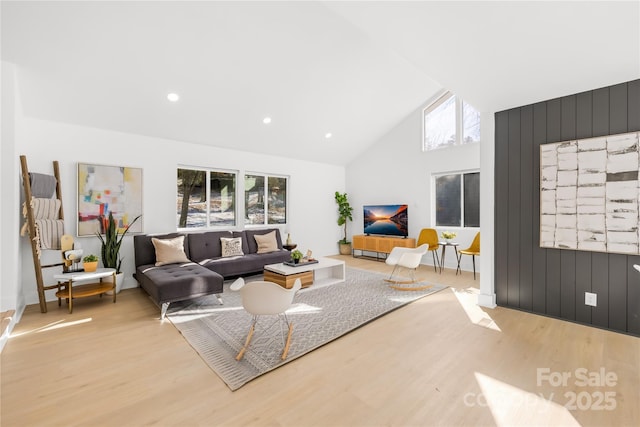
(119, 282)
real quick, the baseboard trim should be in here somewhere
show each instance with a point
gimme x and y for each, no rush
(487, 300)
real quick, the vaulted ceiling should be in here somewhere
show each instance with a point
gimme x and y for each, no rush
(352, 69)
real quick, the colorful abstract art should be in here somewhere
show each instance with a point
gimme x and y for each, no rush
(108, 189)
(590, 194)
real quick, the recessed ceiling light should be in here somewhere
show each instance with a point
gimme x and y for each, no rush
(328, 135)
(266, 120)
(173, 97)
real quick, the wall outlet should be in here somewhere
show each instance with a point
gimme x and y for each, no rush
(590, 299)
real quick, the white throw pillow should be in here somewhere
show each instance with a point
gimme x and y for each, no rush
(169, 251)
(266, 242)
(231, 246)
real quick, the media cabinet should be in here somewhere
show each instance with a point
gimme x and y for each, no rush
(379, 244)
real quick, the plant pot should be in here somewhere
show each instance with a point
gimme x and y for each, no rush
(119, 282)
(90, 267)
(296, 261)
(345, 248)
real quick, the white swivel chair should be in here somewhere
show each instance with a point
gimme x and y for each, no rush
(408, 258)
(266, 298)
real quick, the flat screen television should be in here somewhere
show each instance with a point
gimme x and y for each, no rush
(386, 220)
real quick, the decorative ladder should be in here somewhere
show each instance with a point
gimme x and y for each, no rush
(31, 225)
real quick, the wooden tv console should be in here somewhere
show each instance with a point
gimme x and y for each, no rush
(379, 244)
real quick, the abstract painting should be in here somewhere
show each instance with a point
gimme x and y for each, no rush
(589, 194)
(108, 189)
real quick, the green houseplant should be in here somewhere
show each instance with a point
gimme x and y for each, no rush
(111, 242)
(296, 256)
(90, 263)
(345, 214)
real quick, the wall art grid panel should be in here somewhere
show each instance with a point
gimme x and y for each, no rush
(589, 194)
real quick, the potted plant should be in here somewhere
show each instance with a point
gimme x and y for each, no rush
(345, 214)
(296, 256)
(90, 263)
(111, 242)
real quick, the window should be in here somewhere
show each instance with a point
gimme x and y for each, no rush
(450, 121)
(206, 198)
(458, 200)
(265, 194)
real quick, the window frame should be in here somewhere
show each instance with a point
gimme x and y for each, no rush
(207, 190)
(459, 120)
(434, 199)
(266, 177)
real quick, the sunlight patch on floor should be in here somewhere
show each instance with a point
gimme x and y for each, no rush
(51, 326)
(511, 405)
(302, 308)
(468, 299)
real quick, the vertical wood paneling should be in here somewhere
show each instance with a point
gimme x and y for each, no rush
(633, 100)
(568, 118)
(584, 129)
(617, 292)
(583, 284)
(539, 294)
(599, 285)
(501, 206)
(600, 110)
(633, 296)
(584, 114)
(513, 223)
(618, 108)
(554, 117)
(527, 177)
(552, 281)
(568, 284)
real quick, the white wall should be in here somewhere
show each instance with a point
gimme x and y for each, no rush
(312, 210)
(396, 171)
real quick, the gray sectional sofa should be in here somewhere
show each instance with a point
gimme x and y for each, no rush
(206, 269)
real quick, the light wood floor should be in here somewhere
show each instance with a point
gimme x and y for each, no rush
(439, 361)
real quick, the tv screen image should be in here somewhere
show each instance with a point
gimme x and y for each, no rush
(387, 220)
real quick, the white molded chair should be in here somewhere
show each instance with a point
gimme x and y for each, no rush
(408, 258)
(266, 298)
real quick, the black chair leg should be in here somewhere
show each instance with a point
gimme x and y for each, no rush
(473, 258)
(435, 266)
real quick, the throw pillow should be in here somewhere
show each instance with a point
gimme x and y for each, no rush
(169, 251)
(266, 242)
(231, 246)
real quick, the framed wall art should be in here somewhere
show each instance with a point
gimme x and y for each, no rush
(590, 193)
(108, 189)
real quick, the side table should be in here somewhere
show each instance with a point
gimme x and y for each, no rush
(444, 245)
(290, 247)
(70, 289)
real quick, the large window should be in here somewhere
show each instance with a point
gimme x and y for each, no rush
(265, 194)
(206, 198)
(450, 121)
(458, 200)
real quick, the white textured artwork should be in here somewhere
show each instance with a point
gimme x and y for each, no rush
(589, 194)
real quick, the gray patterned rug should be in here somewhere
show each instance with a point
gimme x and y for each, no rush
(217, 332)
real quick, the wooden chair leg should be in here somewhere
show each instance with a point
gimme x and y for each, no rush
(288, 343)
(246, 343)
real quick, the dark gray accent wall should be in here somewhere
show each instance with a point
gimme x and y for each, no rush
(552, 282)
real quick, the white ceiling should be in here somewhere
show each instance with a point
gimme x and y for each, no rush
(355, 69)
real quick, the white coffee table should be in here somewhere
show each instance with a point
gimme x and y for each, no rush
(69, 289)
(325, 272)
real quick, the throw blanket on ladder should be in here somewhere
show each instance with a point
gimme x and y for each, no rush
(48, 228)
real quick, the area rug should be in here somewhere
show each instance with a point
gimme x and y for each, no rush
(217, 332)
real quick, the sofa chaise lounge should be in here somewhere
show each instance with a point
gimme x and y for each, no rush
(180, 266)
